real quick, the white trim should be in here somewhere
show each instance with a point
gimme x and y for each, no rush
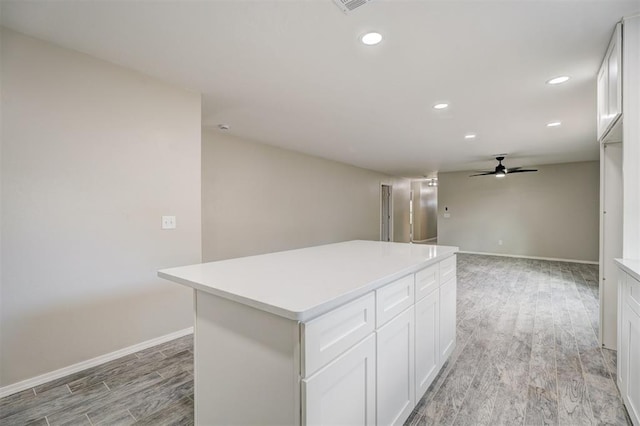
(588, 262)
(65, 371)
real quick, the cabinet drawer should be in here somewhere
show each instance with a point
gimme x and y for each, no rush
(427, 280)
(393, 299)
(632, 287)
(326, 337)
(448, 269)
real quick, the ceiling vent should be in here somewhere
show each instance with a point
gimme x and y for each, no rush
(349, 5)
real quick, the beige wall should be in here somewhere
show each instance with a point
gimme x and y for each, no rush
(552, 213)
(257, 199)
(92, 156)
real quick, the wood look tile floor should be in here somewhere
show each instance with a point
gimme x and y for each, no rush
(527, 353)
(527, 349)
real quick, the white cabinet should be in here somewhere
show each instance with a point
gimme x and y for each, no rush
(394, 298)
(385, 345)
(329, 335)
(609, 91)
(343, 392)
(629, 345)
(447, 319)
(427, 280)
(365, 360)
(395, 370)
(427, 341)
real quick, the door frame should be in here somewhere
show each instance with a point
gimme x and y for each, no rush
(610, 201)
(390, 185)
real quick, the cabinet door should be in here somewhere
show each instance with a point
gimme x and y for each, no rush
(630, 364)
(603, 98)
(621, 346)
(395, 370)
(343, 392)
(447, 319)
(609, 89)
(427, 336)
(630, 347)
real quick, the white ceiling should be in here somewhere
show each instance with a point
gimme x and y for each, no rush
(294, 73)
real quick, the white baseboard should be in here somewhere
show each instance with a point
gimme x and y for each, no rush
(588, 262)
(65, 371)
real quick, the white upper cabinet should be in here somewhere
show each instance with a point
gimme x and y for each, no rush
(610, 90)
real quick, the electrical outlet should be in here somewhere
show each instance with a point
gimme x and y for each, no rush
(168, 222)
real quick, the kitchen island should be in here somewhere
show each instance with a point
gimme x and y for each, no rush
(346, 333)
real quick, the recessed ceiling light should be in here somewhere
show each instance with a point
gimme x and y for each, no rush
(554, 124)
(470, 136)
(371, 38)
(440, 106)
(558, 80)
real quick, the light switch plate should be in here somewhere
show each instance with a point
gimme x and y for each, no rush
(168, 222)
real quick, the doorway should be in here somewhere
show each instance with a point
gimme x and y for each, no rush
(386, 212)
(424, 211)
(610, 240)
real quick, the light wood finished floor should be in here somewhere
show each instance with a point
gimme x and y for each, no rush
(527, 353)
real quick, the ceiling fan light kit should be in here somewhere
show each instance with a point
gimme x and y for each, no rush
(501, 171)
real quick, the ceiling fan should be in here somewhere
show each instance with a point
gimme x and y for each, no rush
(502, 171)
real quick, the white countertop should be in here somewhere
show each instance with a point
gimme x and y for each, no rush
(302, 284)
(630, 266)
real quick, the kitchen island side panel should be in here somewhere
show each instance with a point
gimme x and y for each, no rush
(247, 364)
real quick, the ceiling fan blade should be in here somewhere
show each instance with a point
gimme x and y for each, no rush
(513, 169)
(523, 170)
(484, 174)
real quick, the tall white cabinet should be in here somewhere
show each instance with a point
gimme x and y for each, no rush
(344, 334)
(628, 374)
(618, 130)
(626, 306)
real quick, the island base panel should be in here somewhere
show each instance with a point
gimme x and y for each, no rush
(246, 365)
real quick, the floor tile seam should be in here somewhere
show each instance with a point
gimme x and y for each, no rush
(582, 371)
(555, 363)
(156, 410)
(447, 373)
(132, 416)
(47, 420)
(524, 414)
(118, 395)
(68, 406)
(88, 418)
(594, 334)
(465, 395)
(611, 378)
(126, 394)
